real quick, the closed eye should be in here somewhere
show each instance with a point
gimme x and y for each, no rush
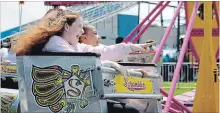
(80, 25)
(95, 33)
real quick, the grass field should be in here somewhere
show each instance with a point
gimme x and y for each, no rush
(180, 87)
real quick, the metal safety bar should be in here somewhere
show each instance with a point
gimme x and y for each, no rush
(130, 71)
(132, 96)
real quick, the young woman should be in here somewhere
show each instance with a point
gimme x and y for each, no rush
(59, 31)
(90, 36)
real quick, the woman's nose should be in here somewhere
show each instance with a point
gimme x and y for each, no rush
(98, 37)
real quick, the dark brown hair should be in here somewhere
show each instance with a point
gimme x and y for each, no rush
(86, 27)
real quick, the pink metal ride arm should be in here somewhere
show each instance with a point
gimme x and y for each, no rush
(194, 50)
(190, 40)
(175, 101)
(180, 59)
(148, 24)
(142, 23)
(217, 54)
(217, 20)
(216, 12)
(162, 91)
(165, 37)
(172, 110)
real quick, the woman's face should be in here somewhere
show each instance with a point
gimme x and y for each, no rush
(92, 36)
(74, 31)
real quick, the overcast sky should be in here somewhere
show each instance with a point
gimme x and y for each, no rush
(9, 13)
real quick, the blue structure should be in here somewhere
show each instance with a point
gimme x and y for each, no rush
(14, 30)
(126, 23)
(93, 11)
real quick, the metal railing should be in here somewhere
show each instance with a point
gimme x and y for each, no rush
(103, 11)
(188, 72)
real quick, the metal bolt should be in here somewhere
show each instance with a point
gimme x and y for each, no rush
(99, 68)
(101, 96)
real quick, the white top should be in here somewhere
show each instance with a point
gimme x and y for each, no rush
(6, 55)
(112, 52)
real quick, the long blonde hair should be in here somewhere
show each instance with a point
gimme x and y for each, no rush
(36, 36)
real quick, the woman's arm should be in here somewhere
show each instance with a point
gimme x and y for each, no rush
(57, 44)
(113, 52)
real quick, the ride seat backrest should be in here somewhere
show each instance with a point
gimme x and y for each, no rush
(60, 82)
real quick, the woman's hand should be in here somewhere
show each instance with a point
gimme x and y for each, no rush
(151, 42)
(141, 47)
(118, 67)
(142, 71)
(145, 74)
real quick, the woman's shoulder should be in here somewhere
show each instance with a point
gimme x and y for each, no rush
(55, 43)
(56, 39)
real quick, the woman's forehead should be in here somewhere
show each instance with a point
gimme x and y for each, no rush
(91, 28)
(79, 21)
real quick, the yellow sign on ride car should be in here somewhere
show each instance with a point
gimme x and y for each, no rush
(133, 85)
(8, 69)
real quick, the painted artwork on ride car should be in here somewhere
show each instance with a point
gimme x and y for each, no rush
(7, 99)
(60, 90)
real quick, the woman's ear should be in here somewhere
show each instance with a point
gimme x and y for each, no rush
(82, 39)
(85, 37)
(66, 27)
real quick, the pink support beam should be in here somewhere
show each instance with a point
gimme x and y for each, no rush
(180, 59)
(167, 33)
(173, 110)
(142, 23)
(190, 40)
(69, 3)
(186, 13)
(194, 50)
(176, 101)
(216, 13)
(163, 91)
(217, 54)
(217, 20)
(148, 24)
